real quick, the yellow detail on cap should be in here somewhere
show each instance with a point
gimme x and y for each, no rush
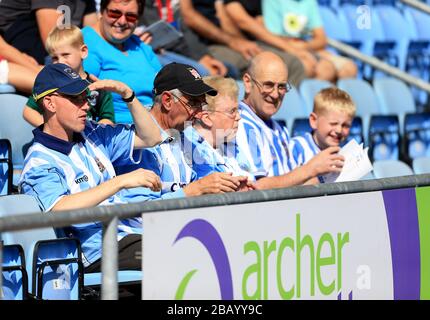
(40, 96)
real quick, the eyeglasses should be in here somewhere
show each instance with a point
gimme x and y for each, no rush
(78, 100)
(116, 14)
(231, 113)
(267, 87)
(192, 103)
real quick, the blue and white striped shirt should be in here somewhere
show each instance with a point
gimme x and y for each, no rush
(265, 144)
(204, 159)
(168, 162)
(304, 148)
(54, 168)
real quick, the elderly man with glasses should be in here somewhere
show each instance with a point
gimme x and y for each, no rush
(264, 142)
(179, 95)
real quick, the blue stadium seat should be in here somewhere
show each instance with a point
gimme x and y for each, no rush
(300, 127)
(395, 30)
(57, 269)
(384, 138)
(43, 264)
(338, 29)
(364, 98)
(14, 127)
(421, 165)
(292, 107)
(418, 63)
(309, 88)
(417, 135)
(6, 88)
(15, 278)
(394, 97)
(46, 283)
(391, 168)
(333, 26)
(6, 168)
(356, 131)
(366, 27)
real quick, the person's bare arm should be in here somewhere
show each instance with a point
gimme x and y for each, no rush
(12, 54)
(147, 131)
(32, 116)
(218, 182)
(251, 25)
(106, 121)
(326, 161)
(214, 66)
(207, 29)
(226, 22)
(46, 19)
(96, 195)
(203, 26)
(318, 41)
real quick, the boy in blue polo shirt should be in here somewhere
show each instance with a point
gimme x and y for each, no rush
(330, 121)
(70, 164)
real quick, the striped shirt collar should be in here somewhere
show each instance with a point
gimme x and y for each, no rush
(268, 123)
(54, 143)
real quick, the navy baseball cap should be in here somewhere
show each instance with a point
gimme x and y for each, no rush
(182, 77)
(60, 78)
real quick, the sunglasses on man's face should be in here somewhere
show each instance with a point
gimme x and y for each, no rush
(116, 14)
(78, 100)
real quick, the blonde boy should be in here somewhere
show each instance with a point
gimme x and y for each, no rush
(67, 46)
(330, 121)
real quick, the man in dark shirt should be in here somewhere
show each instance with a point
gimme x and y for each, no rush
(225, 41)
(190, 45)
(25, 24)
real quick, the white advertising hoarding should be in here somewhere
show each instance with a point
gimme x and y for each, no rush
(334, 247)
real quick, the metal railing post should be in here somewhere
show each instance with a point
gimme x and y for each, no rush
(110, 260)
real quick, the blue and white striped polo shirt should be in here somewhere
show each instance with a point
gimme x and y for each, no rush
(204, 159)
(304, 148)
(264, 143)
(54, 168)
(168, 162)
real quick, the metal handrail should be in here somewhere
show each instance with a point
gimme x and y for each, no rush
(422, 6)
(109, 215)
(379, 64)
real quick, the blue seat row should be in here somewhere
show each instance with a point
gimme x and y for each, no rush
(54, 265)
(400, 37)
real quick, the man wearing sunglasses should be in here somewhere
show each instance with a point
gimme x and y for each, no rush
(263, 140)
(71, 162)
(179, 97)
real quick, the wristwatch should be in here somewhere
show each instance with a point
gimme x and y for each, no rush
(130, 99)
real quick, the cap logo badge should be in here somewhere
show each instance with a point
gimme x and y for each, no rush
(71, 73)
(195, 73)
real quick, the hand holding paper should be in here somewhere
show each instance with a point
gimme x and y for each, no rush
(356, 166)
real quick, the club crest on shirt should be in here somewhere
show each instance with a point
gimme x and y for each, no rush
(102, 168)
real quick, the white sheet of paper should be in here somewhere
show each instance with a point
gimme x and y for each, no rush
(356, 165)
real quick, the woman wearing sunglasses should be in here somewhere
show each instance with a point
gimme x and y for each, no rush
(115, 53)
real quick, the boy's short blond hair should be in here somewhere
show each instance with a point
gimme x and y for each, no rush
(71, 36)
(333, 99)
(225, 87)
